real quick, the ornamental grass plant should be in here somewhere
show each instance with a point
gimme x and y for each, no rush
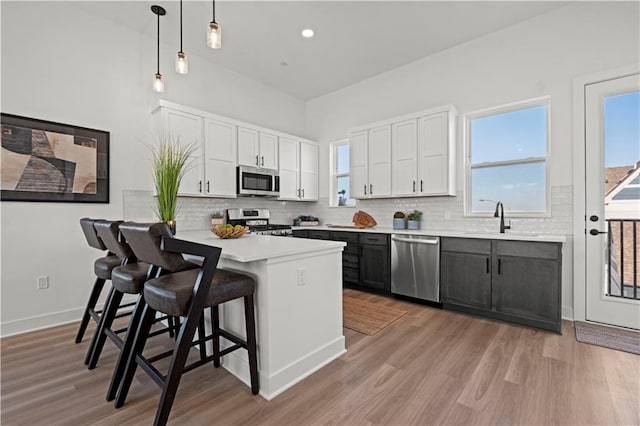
(171, 160)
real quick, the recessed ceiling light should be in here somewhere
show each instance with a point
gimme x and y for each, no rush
(307, 32)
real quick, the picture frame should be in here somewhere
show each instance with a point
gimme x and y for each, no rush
(44, 161)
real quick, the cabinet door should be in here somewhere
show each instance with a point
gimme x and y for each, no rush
(528, 288)
(188, 129)
(358, 147)
(374, 266)
(433, 139)
(220, 155)
(405, 162)
(380, 161)
(466, 279)
(248, 147)
(289, 169)
(308, 172)
(268, 151)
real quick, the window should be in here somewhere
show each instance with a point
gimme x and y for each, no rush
(507, 155)
(339, 186)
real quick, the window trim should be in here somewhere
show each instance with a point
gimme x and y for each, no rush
(501, 109)
(334, 175)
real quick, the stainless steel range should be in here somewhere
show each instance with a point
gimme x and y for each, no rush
(258, 222)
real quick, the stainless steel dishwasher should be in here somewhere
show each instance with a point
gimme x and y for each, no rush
(415, 266)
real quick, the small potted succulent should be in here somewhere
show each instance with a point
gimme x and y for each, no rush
(217, 218)
(413, 219)
(399, 221)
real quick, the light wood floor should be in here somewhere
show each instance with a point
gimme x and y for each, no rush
(429, 367)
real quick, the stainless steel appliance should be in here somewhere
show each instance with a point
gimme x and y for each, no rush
(258, 222)
(415, 266)
(252, 181)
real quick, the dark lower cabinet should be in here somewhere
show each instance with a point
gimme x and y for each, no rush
(366, 259)
(517, 281)
(375, 268)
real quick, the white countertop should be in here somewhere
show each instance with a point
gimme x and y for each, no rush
(514, 236)
(249, 248)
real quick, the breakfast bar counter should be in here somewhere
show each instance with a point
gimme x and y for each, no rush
(298, 305)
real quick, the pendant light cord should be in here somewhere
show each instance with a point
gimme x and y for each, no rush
(181, 26)
(214, 10)
(158, 47)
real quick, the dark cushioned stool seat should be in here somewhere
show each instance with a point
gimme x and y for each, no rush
(172, 293)
(103, 266)
(130, 278)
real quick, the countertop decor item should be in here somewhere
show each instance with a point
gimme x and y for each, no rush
(217, 218)
(171, 160)
(399, 221)
(229, 231)
(413, 219)
(363, 219)
(306, 220)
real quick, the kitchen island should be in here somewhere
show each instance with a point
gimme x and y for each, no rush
(298, 305)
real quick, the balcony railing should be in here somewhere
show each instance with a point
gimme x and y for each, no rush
(622, 258)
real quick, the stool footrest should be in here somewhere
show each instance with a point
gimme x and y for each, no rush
(232, 337)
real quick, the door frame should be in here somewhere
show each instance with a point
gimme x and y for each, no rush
(579, 187)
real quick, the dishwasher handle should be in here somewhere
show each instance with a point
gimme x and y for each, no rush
(417, 241)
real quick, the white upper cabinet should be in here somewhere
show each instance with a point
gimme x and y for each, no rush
(370, 162)
(298, 170)
(257, 149)
(220, 154)
(405, 159)
(407, 156)
(436, 150)
(187, 128)
(308, 172)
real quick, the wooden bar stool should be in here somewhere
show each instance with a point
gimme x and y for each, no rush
(102, 268)
(125, 279)
(186, 294)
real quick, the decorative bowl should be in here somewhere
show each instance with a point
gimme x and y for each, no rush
(225, 232)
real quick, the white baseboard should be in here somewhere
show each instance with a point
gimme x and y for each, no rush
(567, 313)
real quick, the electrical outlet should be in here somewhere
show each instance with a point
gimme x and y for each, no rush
(301, 277)
(43, 282)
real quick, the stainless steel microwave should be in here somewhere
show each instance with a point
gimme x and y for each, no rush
(252, 181)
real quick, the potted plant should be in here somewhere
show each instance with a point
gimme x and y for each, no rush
(399, 221)
(413, 219)
(171, 160)
(217, 218)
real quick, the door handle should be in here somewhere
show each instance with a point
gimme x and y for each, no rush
(421, 186)
(262, 163)
(365, 189)
(298, 192)
(499, 266)
(370, 189)
(199, 186)
(257, 164)
(208, 190)
(414, 186)
(302, 192)
(487, 265)
(596, 232)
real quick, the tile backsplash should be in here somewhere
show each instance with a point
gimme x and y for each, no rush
(438, 212)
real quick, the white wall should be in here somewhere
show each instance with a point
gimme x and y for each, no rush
(531, 59)
(60, 64)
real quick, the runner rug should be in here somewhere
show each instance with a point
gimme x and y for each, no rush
(609, 337)
(366, 317)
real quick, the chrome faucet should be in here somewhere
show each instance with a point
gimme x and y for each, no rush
(500, 213)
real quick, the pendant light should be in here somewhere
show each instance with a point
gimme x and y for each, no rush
(214, 35)
(182, 62)
(158, 82)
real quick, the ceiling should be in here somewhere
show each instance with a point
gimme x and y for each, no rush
(353, 40)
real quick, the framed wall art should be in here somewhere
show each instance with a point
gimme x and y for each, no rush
(53, 162)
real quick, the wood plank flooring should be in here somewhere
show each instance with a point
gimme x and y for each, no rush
(429, 367)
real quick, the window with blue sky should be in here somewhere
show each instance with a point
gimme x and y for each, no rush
(507, 158)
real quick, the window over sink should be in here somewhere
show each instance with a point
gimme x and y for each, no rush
(507, 159)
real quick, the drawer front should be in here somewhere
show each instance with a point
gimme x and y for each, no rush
(347, 237)
(301, 233)
(466, 245)
(538, 250)
(318, 235)
(374, 239)
(350, 275)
